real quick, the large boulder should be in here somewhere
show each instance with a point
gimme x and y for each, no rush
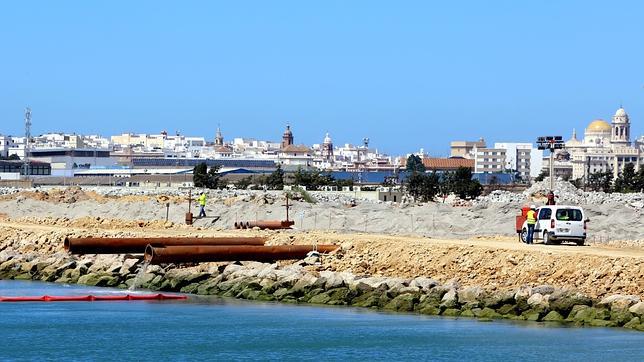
(633, 323)
(306, 283)
(487, 313)
(373, 299)
(637, 309)
(99, 280)
(538, 301)
(333, 280)
(449, 300)
(543, 289)
(521, 297)
(403, 303)
(564, 301)
(619, 302)
(498, 299)
(553, 316)
(423, 283)
(471, 296)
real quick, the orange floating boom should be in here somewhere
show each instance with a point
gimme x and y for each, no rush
(93, 298)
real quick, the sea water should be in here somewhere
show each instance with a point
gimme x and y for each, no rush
(210, 328)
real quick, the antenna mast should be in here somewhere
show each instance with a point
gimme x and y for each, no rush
(27, 138)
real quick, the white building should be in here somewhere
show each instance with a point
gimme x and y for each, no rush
(6, 144)
(296, 155)
(605, 147)
(489, 160)
(522, 158)
(65, 161)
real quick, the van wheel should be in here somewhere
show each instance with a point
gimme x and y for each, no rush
(524, 235)
(580, 242)
(546, 238)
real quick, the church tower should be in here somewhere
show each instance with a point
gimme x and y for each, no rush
(219, 139)
(327, 149)
(621, 129)
(287, 137)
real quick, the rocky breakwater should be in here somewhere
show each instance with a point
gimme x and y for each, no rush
(305, 282)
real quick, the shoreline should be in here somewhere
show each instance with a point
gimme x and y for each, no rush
(302, 283)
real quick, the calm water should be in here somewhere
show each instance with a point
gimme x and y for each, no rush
(216, 329)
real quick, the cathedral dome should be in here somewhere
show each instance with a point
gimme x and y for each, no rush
(599, 125)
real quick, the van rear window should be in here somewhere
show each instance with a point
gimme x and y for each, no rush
(569, 215)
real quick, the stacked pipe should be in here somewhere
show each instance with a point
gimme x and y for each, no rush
(265, 224)
(192, 249)
(210, 253)
(138, 245)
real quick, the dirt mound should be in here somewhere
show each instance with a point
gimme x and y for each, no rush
(98, 222)
(67, 195)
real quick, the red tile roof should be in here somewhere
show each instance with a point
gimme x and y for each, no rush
(447, 163)
(296, 149)
(444, 164)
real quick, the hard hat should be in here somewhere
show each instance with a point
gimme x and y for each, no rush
(533, 206)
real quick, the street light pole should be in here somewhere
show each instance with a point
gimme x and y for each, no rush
(551, 143)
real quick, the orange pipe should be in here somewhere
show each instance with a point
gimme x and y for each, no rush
(137, 245)
(196, 253)
(265, 224)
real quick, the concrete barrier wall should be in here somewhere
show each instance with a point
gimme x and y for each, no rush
(23, 184)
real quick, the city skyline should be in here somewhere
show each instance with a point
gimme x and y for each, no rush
(408, 76)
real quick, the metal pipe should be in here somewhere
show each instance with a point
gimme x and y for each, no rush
(270, 224)
(196, 254)
(137, 245)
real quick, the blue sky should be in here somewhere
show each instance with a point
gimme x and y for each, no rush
(406, 74)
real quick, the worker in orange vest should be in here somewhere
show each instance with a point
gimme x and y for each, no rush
(531, 219)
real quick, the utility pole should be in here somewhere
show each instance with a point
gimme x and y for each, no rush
(27, 138)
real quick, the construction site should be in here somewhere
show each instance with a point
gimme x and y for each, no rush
(450, 257)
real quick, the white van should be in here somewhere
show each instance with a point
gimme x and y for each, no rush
(557, 223)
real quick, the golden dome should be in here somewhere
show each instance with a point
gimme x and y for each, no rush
(599, 125)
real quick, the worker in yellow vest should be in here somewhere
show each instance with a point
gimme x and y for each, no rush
(531, 218)
(202, 204)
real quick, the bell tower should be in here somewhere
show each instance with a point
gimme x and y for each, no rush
(621, 129)
(287, 137)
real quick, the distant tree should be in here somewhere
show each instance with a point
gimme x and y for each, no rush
(275, 181)
(312, 180)
(200, 175)
(542, 175)
(423, 187)
(627, 180)
(243, 183)
(214, 178)
(203, 177)
(463, 185)
(578, 182)
(415, 164)
(12, 157)
(600, 181)
(639, 180)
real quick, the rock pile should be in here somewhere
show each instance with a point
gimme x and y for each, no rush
(566, 193)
